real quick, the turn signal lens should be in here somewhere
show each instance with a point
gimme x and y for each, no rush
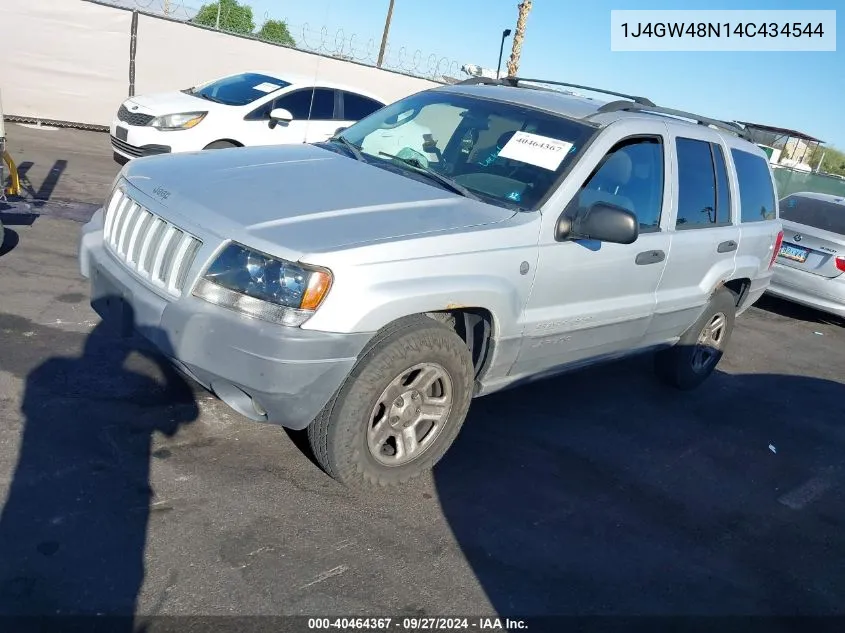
(318, 288)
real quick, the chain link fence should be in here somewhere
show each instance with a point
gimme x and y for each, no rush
(793, 180)
(239, 18)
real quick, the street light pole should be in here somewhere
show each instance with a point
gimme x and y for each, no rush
(505, 33)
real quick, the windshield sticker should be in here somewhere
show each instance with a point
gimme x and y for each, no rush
(266, 87)
(515, 196)
(542, 151)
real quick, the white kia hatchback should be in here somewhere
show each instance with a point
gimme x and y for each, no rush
(251, 108)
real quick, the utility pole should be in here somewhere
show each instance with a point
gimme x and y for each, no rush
(384, 35)
(821, 162)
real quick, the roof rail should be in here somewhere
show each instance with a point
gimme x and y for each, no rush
(634, 98)
(626, 106)
(488, 81)
(515, 82)
(472, 81)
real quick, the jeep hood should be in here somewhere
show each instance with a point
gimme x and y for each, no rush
(293, 200)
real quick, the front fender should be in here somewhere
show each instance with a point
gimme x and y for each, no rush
(388, 301)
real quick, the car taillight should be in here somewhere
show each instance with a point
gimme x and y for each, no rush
(778, 242)
(840, 263)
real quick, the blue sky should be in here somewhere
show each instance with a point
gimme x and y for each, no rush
(569, 40)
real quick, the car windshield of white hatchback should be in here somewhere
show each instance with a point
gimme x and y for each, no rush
(499, 152)
(239, 90)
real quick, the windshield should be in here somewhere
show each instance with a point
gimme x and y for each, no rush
(239, 90)
(501, 152)
(819, 214)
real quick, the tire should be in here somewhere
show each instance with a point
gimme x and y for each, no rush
(221, 145)
(694, 357)
(358, 437)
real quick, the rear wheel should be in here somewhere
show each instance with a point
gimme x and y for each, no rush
(400, 408)
(691, 361)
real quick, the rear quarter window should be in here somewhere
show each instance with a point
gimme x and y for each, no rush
(756, 191)
(819, 214)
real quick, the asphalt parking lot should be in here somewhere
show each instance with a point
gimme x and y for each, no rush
(126, 489)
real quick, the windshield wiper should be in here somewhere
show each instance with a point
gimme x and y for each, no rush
(427, 171)
(202, 95)
(354, 149)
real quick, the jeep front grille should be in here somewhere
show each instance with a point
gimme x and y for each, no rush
(150, 246)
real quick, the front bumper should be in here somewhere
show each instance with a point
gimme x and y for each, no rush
(124, 152)
(266, 372)
(142, 140)
(822, 293)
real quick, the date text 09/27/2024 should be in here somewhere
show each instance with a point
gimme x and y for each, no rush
(416, 624)
(722, 29)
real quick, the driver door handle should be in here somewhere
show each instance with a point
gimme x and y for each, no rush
(650, 257)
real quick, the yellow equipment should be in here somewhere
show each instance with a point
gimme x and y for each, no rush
(14, 187)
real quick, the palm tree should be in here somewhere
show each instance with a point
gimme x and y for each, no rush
(513, 63)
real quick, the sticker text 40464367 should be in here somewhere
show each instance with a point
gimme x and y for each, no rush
(534, 149)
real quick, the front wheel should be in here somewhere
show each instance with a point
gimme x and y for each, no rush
(400, 409)
(694, 357)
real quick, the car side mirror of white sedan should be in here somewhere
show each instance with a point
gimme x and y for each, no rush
(281, 115)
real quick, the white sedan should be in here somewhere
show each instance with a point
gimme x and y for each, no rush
(251, 108)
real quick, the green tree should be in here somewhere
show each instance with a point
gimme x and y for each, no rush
(834, 160)
(276, 31)
(234, 17)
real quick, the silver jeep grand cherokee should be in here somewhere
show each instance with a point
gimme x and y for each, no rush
(454, 243)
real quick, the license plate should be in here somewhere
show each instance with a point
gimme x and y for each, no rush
(121, 133)
(795, 253)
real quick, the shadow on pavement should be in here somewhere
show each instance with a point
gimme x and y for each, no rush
(796, 311)
(603, 492)
(73, 528)
(9, 239)
(45, 191)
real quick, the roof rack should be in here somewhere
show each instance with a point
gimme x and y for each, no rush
(628, 103)
(626, 106)
(515, 82)
(488, 81)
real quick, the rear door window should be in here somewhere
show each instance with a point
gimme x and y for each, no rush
(756, 191)
(703, 200)
(356, 107)
(723, 192)
(819, 214)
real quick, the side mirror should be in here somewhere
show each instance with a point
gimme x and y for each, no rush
(280, 115)
(600, 221)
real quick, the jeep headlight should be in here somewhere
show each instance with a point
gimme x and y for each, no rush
(181, 121)
(264, 287)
